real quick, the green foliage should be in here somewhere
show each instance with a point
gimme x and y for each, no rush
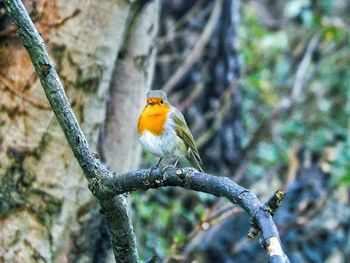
(341, 166)
(165, 217)
(271, 59)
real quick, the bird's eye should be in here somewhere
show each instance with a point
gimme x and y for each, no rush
(161, 101)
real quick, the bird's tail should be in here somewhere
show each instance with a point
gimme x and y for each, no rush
(195, 160)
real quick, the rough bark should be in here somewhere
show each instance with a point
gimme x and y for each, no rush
(39, 181)
(225, 70)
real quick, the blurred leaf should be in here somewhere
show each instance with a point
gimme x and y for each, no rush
(345, 180)
(294, 7)
(267, 152)
(275, 41)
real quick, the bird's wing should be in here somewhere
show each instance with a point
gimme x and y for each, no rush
(184, 133)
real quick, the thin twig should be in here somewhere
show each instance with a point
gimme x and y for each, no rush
(219, 115)
(191, 97)
(197, 50)
(7, 84)
(299, 82)
(11, 29)
(63, 20)
(180, 23)
(270, 206)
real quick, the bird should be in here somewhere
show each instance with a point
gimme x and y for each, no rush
(163, 131)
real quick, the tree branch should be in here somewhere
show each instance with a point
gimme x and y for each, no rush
(189, 178)
(107, 187)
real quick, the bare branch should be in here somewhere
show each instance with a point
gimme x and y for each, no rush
(299, 81)
(189, 178)
(9, 85)
(270, 206)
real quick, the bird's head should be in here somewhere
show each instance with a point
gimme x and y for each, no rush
(157, 98)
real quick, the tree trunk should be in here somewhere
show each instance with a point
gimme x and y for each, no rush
(225, 150)
(47, 212)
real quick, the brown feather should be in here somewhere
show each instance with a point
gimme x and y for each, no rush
(184, 133)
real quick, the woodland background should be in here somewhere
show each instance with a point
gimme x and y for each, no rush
(263, 84)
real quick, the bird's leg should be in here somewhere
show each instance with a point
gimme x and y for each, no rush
(156, 166)
(158, 163)
(176, 161)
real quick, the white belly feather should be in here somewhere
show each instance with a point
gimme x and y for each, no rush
(167, 145)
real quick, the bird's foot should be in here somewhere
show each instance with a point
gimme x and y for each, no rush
(156, 166)
(158, 163)
(175, 163)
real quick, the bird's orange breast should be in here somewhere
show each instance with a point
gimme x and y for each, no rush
(153, 119)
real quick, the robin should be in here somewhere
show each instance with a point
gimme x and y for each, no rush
(164, 132)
